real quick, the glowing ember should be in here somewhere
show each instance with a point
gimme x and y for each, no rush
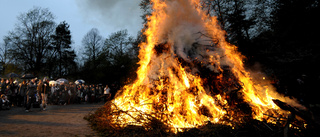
(189, 75)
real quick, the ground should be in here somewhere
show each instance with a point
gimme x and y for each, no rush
(55, 121)
(66, 121)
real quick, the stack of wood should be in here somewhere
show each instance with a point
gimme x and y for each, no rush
(222, 83)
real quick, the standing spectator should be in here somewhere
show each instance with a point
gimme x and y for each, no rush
(1, 101)
(78, 94)
(82, 92)
(9, 95)
(15, 91)
(44, 93)
(40, 89)
(22, 93)
(31, 91)
(3, 86)
(113, 90)
(98, 93)
(86, 93)
(106, 93)
(54, 94)
(93, 94)
(13, 96)
(40, 86)
(73, 90)
(89, 93)
(19, 97)
(63, 95)
(69, 94)
(59, 91)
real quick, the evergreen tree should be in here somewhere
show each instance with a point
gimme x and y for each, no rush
(64, 54)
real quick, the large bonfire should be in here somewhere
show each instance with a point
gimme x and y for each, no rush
(189, 76)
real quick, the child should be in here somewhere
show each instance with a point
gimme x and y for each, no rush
(5, 103)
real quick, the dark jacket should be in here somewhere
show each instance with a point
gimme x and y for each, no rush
(23, 89)
(3, 87)
(31, 89)
(13, 88)
(46, 88)
(9, 92)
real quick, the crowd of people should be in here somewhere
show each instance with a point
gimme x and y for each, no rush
(38, 93)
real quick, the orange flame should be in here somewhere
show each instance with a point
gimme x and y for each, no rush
(173, 93)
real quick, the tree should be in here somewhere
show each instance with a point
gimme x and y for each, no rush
(295, 31)
(218, 8)
(145, 5)
(118, 44)
(30, 42)
(7, 63)
(62, 49)
(121, 50)
(92, 43)
(4, 56)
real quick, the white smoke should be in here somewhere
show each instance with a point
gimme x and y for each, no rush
(182, 29)
(113, 15)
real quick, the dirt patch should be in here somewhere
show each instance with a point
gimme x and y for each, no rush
(55, 121)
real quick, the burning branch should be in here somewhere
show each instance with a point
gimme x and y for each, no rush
(190, 77)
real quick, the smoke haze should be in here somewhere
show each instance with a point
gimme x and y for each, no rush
(112, 15)
(182, 29)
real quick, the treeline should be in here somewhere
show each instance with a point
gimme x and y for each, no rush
(109, 60)
(280, 35)
(39, 46)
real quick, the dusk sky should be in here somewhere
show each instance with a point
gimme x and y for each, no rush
(107, 16)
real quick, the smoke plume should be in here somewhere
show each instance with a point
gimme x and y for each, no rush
(112, 15)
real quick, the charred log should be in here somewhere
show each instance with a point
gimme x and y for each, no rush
(162, 48)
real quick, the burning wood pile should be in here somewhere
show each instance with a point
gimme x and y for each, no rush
(190, 79)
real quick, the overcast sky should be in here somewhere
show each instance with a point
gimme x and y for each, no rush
(106, 15)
